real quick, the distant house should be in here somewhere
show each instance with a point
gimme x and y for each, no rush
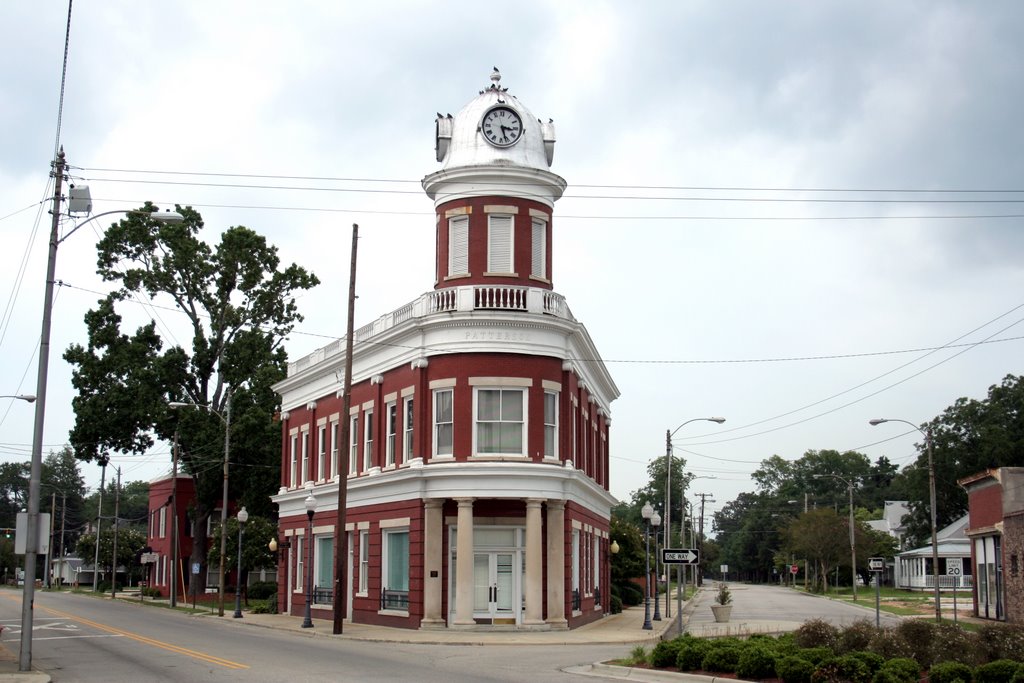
(913, 569)
(67, 570)
(995, 500)
(892, 520)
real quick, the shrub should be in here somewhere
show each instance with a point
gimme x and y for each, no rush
(889, 645)
(816, 655)
(856, 636)
(631, 594)
(1001, 641)
(616, 604)
(261, 590)
(721, 659)
(756, 661)
(1019, 676)
(900, 669)
(665, 653)
(723, 596)
(917, 635)
(872, 661)
(827, 672)
(853, 669)
(999, 671)
(952, 643)
(785, 644)
(950, 672)
(268, 606)
(690, 656)
(793, 669)
(816, 633)
(638, 655)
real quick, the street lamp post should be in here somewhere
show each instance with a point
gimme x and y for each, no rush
(36, 460)
(668, 515)
(647, 512)
(656, 522)
(307, 622)
(27, 398)
(226, 419)
(103, 460)
(931, 492)
(243, 517)
(853, 541)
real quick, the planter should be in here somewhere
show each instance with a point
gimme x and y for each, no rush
(721, 613)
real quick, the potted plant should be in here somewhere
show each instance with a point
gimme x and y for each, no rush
(723, 603)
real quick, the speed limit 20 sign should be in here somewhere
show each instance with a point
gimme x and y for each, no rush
(954, 566)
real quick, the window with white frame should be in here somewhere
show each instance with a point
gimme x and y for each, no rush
(587, 568)
(395, 568)
(334, 448)
(407, 434)
(500, 421)
(499, 244)
(597, 563)
(300, 558)
(368, 445)
(353, 437)
(443, 422)
(572, 431)
(321, 462)
(305, 456)
(575, 562)
(539, 248)
(364, 561)
(550, 424)
(391, 410)
(458, 246)
(295, 461)
(323, 571)
(163, 522)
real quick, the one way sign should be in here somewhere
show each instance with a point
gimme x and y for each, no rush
(680, 556)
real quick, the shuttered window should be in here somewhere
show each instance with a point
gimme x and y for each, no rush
(539, 248)
(458, 246)
(499, 244)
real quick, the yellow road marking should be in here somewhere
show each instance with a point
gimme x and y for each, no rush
(177, 649)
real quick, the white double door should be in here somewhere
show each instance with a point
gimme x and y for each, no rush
(495, 588)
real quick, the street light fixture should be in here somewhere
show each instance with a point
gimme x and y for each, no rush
(226, 419)
(853, 541)
(931, 491)
(668, 515)
(27, 398)
(647, 512)
(243, 517)
(310, 503)
(36, 461)
(655, 521)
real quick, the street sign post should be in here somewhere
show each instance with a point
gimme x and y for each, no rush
(955, 568)
(877, 564)
(794, 569)
(680, 556)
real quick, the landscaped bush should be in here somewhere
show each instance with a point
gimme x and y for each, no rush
(616, 604)
(999, 671)
(816, 633)
(951, 643)
(889, 645)
(856, 636)
(268, 606)
(899, 670)
(1001, 641)
(1018, 677)
(816, 655)
(721, 659)
(872, 661)
(261, 590)
(853, 669)
(756, 661)
(666, 652)
(793, 669)
(691, 654)
(827, 672)
(918, 634)
(950, 672)
(630, 594)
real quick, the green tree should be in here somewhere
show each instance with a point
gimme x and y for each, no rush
(239, 305)
(822, 537)
(13, 491)
(255, 545)
(63, 487)
(129, 543)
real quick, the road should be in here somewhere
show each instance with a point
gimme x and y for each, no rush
(79, 638)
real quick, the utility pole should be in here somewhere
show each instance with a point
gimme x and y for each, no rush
(63, 515)
(113, 560)
(704, 497)
(53, 520)
(104, 459)
(340, 534)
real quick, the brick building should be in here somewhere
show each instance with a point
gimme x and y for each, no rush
(996, 530)
(477, 485)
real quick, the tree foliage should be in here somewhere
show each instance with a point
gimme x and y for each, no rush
(238, 304)
(129, 542)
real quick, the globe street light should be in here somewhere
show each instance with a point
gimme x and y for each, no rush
(647, 512)
(655, 521)
(36, 460)
(243, 517)
(853, 541)
(931, 491)
(310, 510)
(668, 512)
(226, 419)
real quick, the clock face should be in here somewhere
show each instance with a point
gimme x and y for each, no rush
(501, 127)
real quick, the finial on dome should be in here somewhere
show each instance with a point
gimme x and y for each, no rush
(495, 76)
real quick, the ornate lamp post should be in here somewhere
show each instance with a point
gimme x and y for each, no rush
(243, 517)
(655, 522)
(307, 622)
(931, 490)
(647, 512)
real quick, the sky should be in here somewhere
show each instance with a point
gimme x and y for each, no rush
(795, 215)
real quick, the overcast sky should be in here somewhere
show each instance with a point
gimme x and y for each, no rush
(777, 212)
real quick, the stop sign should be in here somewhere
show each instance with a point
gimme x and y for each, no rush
(794, 569)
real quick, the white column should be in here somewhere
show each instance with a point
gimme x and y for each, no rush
(534, 588)
(556, 564)
(433, 537)
(464, 565)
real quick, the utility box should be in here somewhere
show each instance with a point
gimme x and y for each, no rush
(79, 199)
